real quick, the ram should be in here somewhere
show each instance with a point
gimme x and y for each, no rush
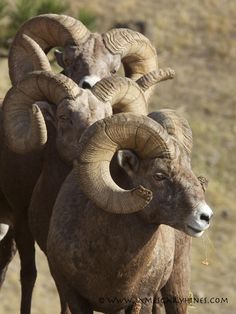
(111, 234)
(42, 137)
(87, 57)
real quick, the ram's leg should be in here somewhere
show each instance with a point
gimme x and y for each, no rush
(158, 306)
(7, 252)
(77, 304)
(115, 312)
(134, 309)
(71, 301)
(140, 308)
(63, 301)
(176, 291)
(7, 244)
(62, 290)
(64, 306)
(158, 309)
(28, 273)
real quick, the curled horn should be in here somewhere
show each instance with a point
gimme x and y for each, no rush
(98, 145)
(137, 53)
(23, 121)
(176, 126)
(27, 50)
(154, 77)
(24, 124)
(122, 93)
(125, 95)
(48, 31)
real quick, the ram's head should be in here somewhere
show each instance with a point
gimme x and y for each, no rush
(43, 96)
(85, 57)
(154, 176)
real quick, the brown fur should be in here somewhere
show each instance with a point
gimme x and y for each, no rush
(17, 186)
(19, 175)
(92, 59)
(94, 254)
(48, 169)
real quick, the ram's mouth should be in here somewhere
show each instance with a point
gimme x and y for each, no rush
(194, 232)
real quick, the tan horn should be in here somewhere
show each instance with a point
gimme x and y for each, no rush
(137, 53)
(154, 77)
(24, 124)
(28, 50)
(176, 126)
(123, 94)
(98, 145)
(48, 31)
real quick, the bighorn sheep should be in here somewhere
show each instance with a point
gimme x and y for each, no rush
(72, 109)
(110, 234)
(28, 53)
(87, 57)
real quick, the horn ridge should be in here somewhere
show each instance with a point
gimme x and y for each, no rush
(98, 145)
(123, 94)
(154, 77)
(176, 126)
(137, 53)
(24, 123)
(47, 31)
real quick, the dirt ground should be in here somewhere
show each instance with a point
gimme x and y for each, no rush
(197, 39)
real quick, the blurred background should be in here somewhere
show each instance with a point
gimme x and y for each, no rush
(197, 39)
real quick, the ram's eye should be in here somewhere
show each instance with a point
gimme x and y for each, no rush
(63, 118)
(113, 71)
(159, 176)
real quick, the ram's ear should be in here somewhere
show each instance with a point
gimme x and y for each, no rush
(59, 57)
(204, 182)
(128, 161)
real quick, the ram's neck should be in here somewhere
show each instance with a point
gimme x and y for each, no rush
(106, 252)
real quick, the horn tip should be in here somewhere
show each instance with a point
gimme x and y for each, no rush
(144, 193)
(170, 73)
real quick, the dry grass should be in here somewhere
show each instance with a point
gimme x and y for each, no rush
(197, 39)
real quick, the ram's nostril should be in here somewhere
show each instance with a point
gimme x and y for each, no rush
(86, 85)
(205, 217)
